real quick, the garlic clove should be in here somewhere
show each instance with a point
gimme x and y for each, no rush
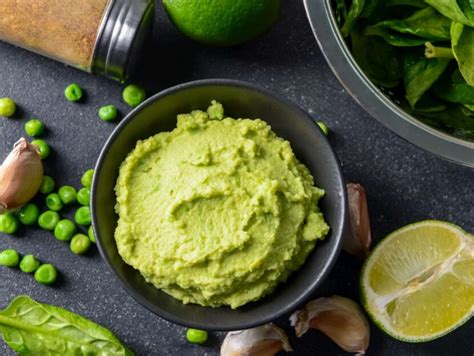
(341, 319)
(358, 241)
(21, 175)
(265, 340)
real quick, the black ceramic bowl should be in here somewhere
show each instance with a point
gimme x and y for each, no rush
(240, 100)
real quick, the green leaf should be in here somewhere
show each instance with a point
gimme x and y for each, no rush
(462, 42)
(454, 121)
(425, 24)
(381, 62)
(355, 10)
(414, 3)
(32, 328)
(420, 73)
(457, 10)
(341, 11)
(453, 92)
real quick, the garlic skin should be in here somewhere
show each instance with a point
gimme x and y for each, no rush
(265, 340)
(358, 242)
(341, 319)
(21, 175)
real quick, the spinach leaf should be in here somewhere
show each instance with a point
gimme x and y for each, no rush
(341, 11)
(462, 42)
(420, 73)
(460, 93)
(424, 24)
(32, 328)
(381, 62)
(414, 3)
(454, 121)
(355, 10)
(452, 9)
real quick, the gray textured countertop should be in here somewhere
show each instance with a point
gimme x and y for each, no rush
(404, 183)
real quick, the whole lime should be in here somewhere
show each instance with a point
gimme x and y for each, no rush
(222, 22)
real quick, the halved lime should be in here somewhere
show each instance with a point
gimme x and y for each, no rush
(418, 283)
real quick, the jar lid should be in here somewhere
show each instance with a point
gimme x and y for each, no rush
(124, 30)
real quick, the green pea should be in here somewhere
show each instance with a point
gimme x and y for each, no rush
(9, 223)
(80, 243)
(83, 215)
(64, 230)
(91, 234)
(43, 148)
(9, 258)
(28, 215)
(86, 179)
(133, 95)
(324, 128)
(84, 196)
(195, 336)
(29, 264)
(108, 113)
(53, 202)
(48, 220)
(7, 107)
(34, 128)
(67, 194)
(47, 186)
(46, 274)
(73, 92)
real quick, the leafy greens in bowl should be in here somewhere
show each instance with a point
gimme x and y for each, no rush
(420, 53)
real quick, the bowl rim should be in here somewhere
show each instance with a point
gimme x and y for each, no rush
(384, 110)
(292, 305)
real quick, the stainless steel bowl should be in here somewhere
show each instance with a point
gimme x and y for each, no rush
(371, 98)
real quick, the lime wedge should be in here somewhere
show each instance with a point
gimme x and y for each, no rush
(418, 283)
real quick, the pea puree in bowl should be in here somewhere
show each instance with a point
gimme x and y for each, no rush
(217, 211)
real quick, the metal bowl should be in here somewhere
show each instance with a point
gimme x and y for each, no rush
(371, 98)
(240, 99)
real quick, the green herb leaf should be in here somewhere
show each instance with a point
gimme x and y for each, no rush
(32, 328)
(425, 24)
(420, 73)
(355, 10)
(457, 10)
(463, 48)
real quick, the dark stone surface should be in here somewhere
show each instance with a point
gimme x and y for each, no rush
(404, 183)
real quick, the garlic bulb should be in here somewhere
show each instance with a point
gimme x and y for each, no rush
(358, 241)
(21, 175)
(341, 319)
(265, 340)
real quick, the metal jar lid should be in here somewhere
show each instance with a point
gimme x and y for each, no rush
(122, 35)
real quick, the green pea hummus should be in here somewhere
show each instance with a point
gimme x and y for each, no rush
(217, 211)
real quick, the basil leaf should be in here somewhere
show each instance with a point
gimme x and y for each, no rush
(463, 48)
(457, 10)
(425, 24)
(32, 328)
(420, 73)
(355, 10)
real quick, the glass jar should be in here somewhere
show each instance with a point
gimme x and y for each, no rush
(97, 36)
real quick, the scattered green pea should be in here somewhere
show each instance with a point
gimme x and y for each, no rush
(73, 92)
(324, 128)
(64, 230)
(91, 234)
(43, 147)
(47, 186)
(108, 113)
(133, 95)
(83, 215)
(46, 274)
(28, 214)
(86, 179)
(84, 196)
(34, 128)
(29, 264)
(9, 258)
(9, 223)
(7, 107)
(80, 243)
(195, 336)
(48, 220)
(53, 202)
(67, 194)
